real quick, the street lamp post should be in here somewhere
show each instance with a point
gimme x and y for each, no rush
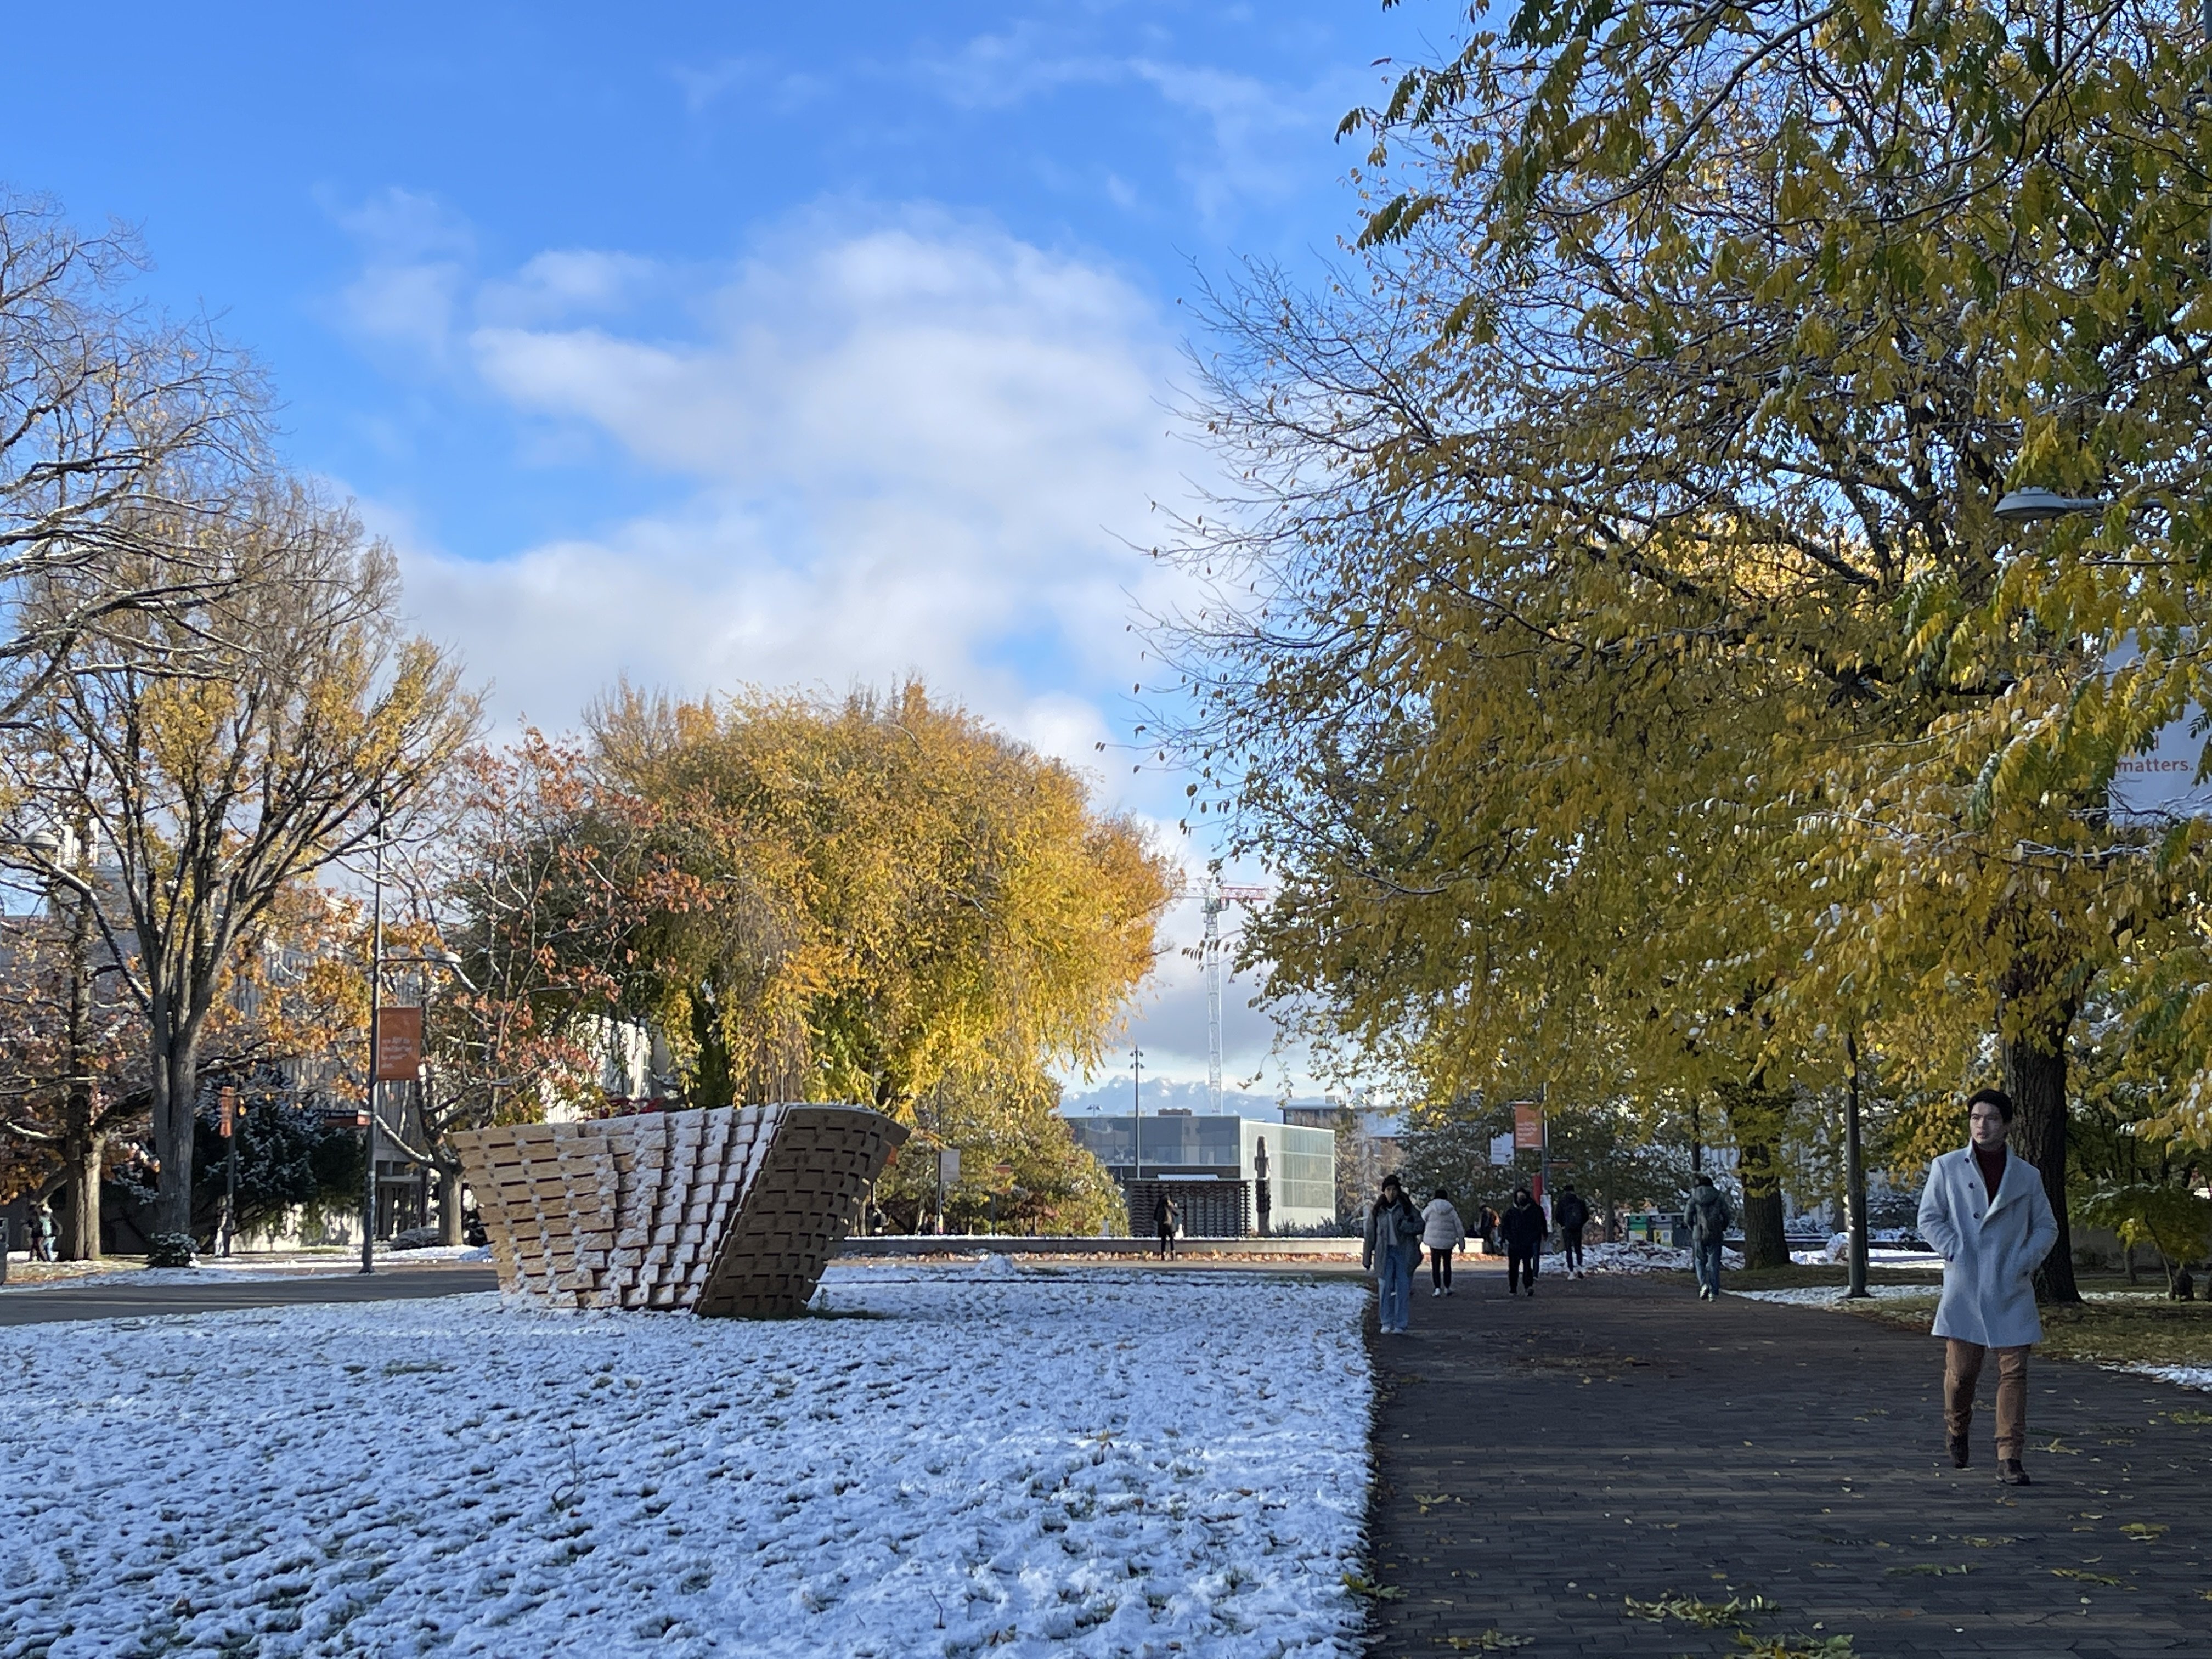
(1855, 1197)
(375, 1012)
(1137, 1106)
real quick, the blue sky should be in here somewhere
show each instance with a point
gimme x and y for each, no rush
(721, 344)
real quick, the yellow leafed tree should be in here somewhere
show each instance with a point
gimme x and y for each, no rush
(895, 904)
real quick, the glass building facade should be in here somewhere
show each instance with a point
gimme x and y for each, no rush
(1182, 1145)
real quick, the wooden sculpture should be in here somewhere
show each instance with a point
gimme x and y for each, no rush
(731, 1212)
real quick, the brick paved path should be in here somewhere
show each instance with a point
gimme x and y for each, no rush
(1540, 1458)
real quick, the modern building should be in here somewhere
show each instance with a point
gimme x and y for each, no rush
(1210, 1167)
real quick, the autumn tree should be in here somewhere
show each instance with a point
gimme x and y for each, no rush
(1620, 551)
(221, 749)
(73, 1060)
(72, 1057)
(896, 905)
(517, 915)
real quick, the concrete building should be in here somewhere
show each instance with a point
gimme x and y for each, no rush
(1210, 1165)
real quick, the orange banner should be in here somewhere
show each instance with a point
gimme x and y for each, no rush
(399, 1044)
(1528, 1128)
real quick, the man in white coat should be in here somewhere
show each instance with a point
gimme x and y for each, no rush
(1987, 1215)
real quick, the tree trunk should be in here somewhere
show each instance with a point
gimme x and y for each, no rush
(1764, 1243)
(84, 1152)
(84, 1146)
(176, 1095)
(2035, 1078)
(1754, 1115)
(449, 1203)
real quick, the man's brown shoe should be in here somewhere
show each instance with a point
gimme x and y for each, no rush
(2011, 1473)
(1958, 1446)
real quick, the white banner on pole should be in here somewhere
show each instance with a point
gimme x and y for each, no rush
(2158, 785)
(1501, 1148)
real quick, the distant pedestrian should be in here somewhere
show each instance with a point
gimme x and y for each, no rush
(1989, 1217)
(1485, 1227)
(1392, 1245)
(1167, 1219)
(1709, 1217)
(1572, 1215)
(42, 1222)
(1524, 1227)
(1442, 1231)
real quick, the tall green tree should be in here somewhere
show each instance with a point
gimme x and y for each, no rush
(1693, 352)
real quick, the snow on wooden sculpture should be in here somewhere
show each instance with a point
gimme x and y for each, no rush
(730, 1212)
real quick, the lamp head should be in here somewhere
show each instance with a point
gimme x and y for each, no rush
(2031, 506)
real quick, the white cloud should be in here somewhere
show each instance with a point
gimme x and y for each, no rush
(415, 259)
(1255, 128)
(1245, 134)
(562, 284)
(914, 446)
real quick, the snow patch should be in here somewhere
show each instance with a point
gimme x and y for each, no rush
(1635, 1257)
(436, 1253)
(1078, 1462)
(1826, 1296)
(2187, 1376)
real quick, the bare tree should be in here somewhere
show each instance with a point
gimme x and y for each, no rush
(238, 737)
(121, 437)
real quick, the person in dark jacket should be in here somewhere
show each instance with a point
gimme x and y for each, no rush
(1571, 1215)
(1708, 1217)
(1165, 1219)
(1524, 1227)
(1486, 1229)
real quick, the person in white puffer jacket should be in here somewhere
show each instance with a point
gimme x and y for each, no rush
(1442, 1231)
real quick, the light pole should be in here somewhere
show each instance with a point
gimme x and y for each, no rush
(1137, 1106)
(375, 1013)
(1855, 1197)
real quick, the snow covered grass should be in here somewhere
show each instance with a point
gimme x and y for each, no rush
(1635, 1257)
(1822, 1295)
(1838, 1251)
(976, 1462)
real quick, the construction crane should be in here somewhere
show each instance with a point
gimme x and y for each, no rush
(1218, 896)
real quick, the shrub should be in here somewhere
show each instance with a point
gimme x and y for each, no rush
(173, 1251)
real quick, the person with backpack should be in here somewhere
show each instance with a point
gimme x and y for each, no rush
(1571, 1215)
(1166, 1218)
(1442, 1231)
(1524, 1227)
(1709, 1218)
(1392, 1245)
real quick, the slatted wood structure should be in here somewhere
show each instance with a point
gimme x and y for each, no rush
(730, 1213)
